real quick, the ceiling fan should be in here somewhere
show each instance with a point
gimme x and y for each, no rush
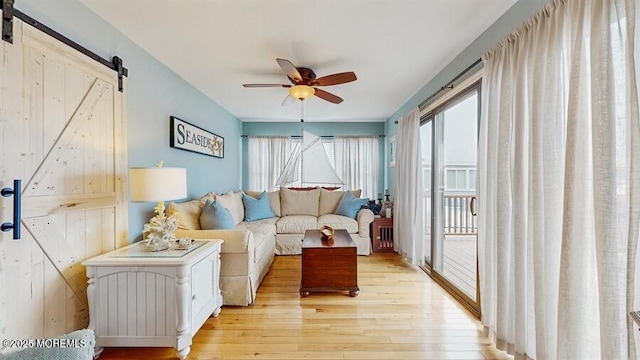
(305, 83)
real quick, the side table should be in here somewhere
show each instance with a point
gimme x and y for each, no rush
(162, 298)
(382, 234)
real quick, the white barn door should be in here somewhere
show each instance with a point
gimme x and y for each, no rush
(63, 132)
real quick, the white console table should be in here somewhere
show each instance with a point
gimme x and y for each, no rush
(141, 298)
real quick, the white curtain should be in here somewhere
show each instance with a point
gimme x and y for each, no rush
(408, 189)
(357, 163)
(267, 157)
(559, 184)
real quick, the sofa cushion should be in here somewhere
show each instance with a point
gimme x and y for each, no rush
(188, 213)
(233, 202)
(264, 231)
(261, 228)
(330, 199)
(296, 224)
(299, 202)
(214, 216)
(257, 208)
(270, 221)
(261, 243)
(349, 205)
(338, 222)
(274, 200)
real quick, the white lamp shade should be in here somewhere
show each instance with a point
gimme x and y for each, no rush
(157, 184)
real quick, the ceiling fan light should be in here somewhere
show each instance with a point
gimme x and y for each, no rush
(301, 92)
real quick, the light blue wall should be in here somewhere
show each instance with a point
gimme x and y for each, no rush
(153, 93)
(317, 128)
(508, 22)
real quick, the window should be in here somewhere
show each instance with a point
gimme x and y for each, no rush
(357, 163)
(354, 158)
(460, 179)
(267, 157)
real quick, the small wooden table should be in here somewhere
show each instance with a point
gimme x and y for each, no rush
(329, 265)
(382, 235)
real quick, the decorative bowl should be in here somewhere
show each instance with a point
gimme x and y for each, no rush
(327, 232)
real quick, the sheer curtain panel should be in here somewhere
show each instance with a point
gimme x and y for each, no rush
(357, 163)
(559, 184)
(408, 189)
(267, 157)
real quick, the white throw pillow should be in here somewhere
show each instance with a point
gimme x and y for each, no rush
(188, 213)
(329, 201)
(233, 202)
(299, 202)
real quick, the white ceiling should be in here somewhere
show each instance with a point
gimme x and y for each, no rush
(394, 47)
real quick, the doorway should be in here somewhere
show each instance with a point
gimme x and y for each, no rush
(449, 136)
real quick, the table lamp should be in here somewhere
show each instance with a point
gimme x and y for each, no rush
(158, 184)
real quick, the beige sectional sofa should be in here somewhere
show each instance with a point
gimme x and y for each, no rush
(248, 250)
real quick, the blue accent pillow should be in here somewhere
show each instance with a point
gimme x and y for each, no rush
(257, 209)
(214, 216)
(350, 205)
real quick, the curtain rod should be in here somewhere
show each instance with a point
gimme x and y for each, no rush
(322, 136)
(449, 85)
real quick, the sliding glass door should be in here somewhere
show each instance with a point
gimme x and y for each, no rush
(449, 148)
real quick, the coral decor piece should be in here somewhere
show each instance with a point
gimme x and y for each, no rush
(159, 233)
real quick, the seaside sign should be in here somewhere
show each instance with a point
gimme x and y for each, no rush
(189, 137)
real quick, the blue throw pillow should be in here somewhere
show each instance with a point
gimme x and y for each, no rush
(350, 205)
(257, 209)
(214, 216)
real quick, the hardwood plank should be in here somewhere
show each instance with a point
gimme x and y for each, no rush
(400, 314)
(34, 206)
(54, 307)
(33, 107)
(120, 165)
(63, 156)
(54, 244)
(53, 102)
(48, 45)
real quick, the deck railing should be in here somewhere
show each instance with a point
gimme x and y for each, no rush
(457, 216)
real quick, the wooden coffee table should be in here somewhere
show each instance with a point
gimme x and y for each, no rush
(329, 265)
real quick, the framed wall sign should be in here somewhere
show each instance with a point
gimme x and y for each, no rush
(189, 137)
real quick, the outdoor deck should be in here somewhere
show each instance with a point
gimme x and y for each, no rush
(460, 262)
(459, 248)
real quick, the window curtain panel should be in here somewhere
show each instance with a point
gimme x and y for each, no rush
(357, 163)
(408, 191)
(559, 184)
(267, 157)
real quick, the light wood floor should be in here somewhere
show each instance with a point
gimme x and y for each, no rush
(400, 314)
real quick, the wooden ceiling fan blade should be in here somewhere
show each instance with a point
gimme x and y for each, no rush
(335, 79)
(328, 96)
(289, 69)
(265, 85)
(288, 100)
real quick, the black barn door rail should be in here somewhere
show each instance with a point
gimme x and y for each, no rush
(9, 11)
